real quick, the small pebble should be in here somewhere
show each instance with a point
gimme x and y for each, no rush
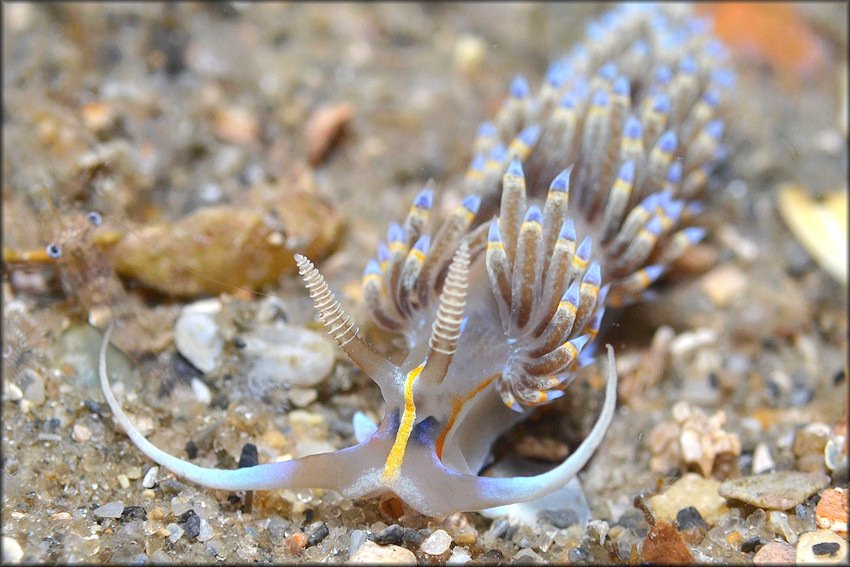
(81, 433)
(12, 552)
(414, 537)
(778, 521)
(205, 531)
(317, 536)
(664, 544)
(724, 284)
(762, 460)
(198, 338)
(295, 543)
(11, 392)
(821, 546)
(370, 552)
(149, 480)
(391, 534)
(525, 556)
(357, 539)
(560, 518)
(123, 481)
(110, 510)
(191, 449)
(576, 554)
(132, 513)
(492, 557)
(750, 544)
(323, 129)
(302, 397)
(32, 385)
(691, 490)
(688, 518)
(175, 531)
(172, 485)
(191, 522)
(237, 125)
(202, 391)
(437, 543)
(468, 53)
(774, 491)
(775, 553)
(459, 556)
(249, 456)
(831, 512)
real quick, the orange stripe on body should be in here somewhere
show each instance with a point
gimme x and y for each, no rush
(456, 409)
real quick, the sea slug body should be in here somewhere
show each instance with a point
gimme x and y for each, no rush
(580, 196)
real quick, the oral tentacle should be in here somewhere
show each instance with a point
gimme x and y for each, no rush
(340, 470)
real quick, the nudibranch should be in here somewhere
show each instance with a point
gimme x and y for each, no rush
(587, 190)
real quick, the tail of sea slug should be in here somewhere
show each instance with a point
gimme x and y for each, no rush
(618, 142)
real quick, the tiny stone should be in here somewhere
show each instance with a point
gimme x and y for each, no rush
(202, 391)
(825, 548)
(437, 543)
(775, 553)
(778, 521)
(12, 552)
(762, 460)
(95, 408)
(690, 490)
(576, 554)
(821, 546)
(390, 535)
(132, 513)
(775, 491)
(205, 531)
(831, 511)
(110, 510)
(191, 449)
(123, 481)
(175, 531)
(357, 539)
(249, 456)
(525, 556)
(318, 535)
(149, 481)
(560, 518)
(492, 557)
(412, 536)
(198, 338)
(370, 552)
(81, 433)
(750, 544)
(191, 522)
(664, 544)
(460, 555)
(302, 397)
(172, 485)
(690, 518)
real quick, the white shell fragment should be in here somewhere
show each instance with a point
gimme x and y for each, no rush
(821, 227)
(198, 336)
